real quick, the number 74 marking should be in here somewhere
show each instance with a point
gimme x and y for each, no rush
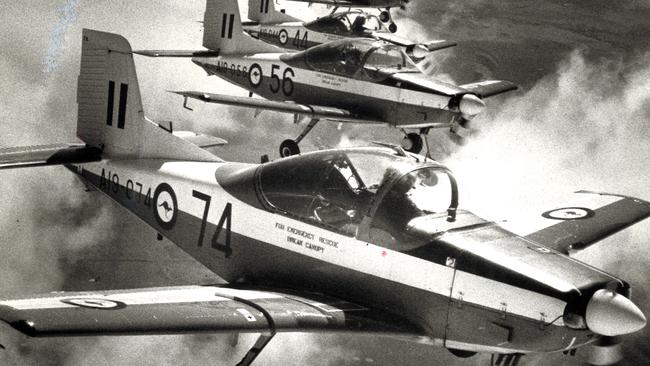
(226, 218)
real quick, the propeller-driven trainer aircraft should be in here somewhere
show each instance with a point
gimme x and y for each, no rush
(384, 16)
(285, 31)
(361, 240)
(350, 80)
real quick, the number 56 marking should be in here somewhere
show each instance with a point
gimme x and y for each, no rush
(286, 83)
(226, 218)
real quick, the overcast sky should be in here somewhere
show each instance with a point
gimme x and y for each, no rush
(580, 121)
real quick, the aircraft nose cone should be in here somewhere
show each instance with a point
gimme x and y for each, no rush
(612, 314)
(471, 105)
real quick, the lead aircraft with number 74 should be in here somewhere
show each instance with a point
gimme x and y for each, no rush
(366, 240)
(358, 80)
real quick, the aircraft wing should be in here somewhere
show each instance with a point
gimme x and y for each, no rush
(330, 2)
(429, 46)
(41, 155)
(307, 110)
(177, 53)
(193, 309)
(356, 3)
(582, 222)
(490, 88)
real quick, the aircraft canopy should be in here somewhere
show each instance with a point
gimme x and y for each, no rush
(360, 58)
(339, 189)
(354, 22)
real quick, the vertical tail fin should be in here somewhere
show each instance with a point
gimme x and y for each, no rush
(263, 12)
(110, 113)
(223, 30)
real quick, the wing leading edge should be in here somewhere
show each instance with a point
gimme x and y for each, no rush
(194, 309)
(306, 110)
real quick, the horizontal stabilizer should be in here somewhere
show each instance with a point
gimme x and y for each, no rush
(193, 309)
(582, 221)
(177, 53)
(40, 155)
(307, 110)
(489, 88)
(425, 47)
(200, 139)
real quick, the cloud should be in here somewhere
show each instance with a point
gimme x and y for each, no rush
(67, 17)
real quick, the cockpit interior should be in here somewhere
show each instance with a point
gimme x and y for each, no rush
(372, 193)
(358, 58)
(354, 22)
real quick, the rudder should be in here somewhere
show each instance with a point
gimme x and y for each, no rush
(263, 12)
(110, 113)
(223, 30)
(108, 94)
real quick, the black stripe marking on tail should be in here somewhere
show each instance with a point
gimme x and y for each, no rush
(121, 117)
(111, 101)
(224, 20)
(232, 22)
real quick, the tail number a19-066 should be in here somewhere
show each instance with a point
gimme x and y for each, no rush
(219, 242)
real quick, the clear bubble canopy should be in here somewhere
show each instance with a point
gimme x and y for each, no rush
(352, 189)
(359, 57)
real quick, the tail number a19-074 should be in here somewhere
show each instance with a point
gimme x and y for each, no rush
(226, 218)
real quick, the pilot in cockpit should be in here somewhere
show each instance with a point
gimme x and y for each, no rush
(351, 60)
(358, 25)
(335, 215)
(337, 202)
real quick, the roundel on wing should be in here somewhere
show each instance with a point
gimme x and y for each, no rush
(283, 36)
(95, 303)
(255, 75)
(165, 206)
(569, 213)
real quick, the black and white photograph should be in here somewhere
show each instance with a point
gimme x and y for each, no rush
(325, 182)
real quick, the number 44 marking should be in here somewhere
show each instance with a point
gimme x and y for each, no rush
(226, 218)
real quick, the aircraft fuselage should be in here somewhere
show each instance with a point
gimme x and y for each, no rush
(271, 77)
(209, 211)
(290, 35)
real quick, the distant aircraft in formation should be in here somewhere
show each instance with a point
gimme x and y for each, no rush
(362, 240)
(357, 80)
(282, 30)
(383, 5)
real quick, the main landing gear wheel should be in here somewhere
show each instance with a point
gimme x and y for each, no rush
(384, 16)
(392, 27)
(412, 142)
(289, 147)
